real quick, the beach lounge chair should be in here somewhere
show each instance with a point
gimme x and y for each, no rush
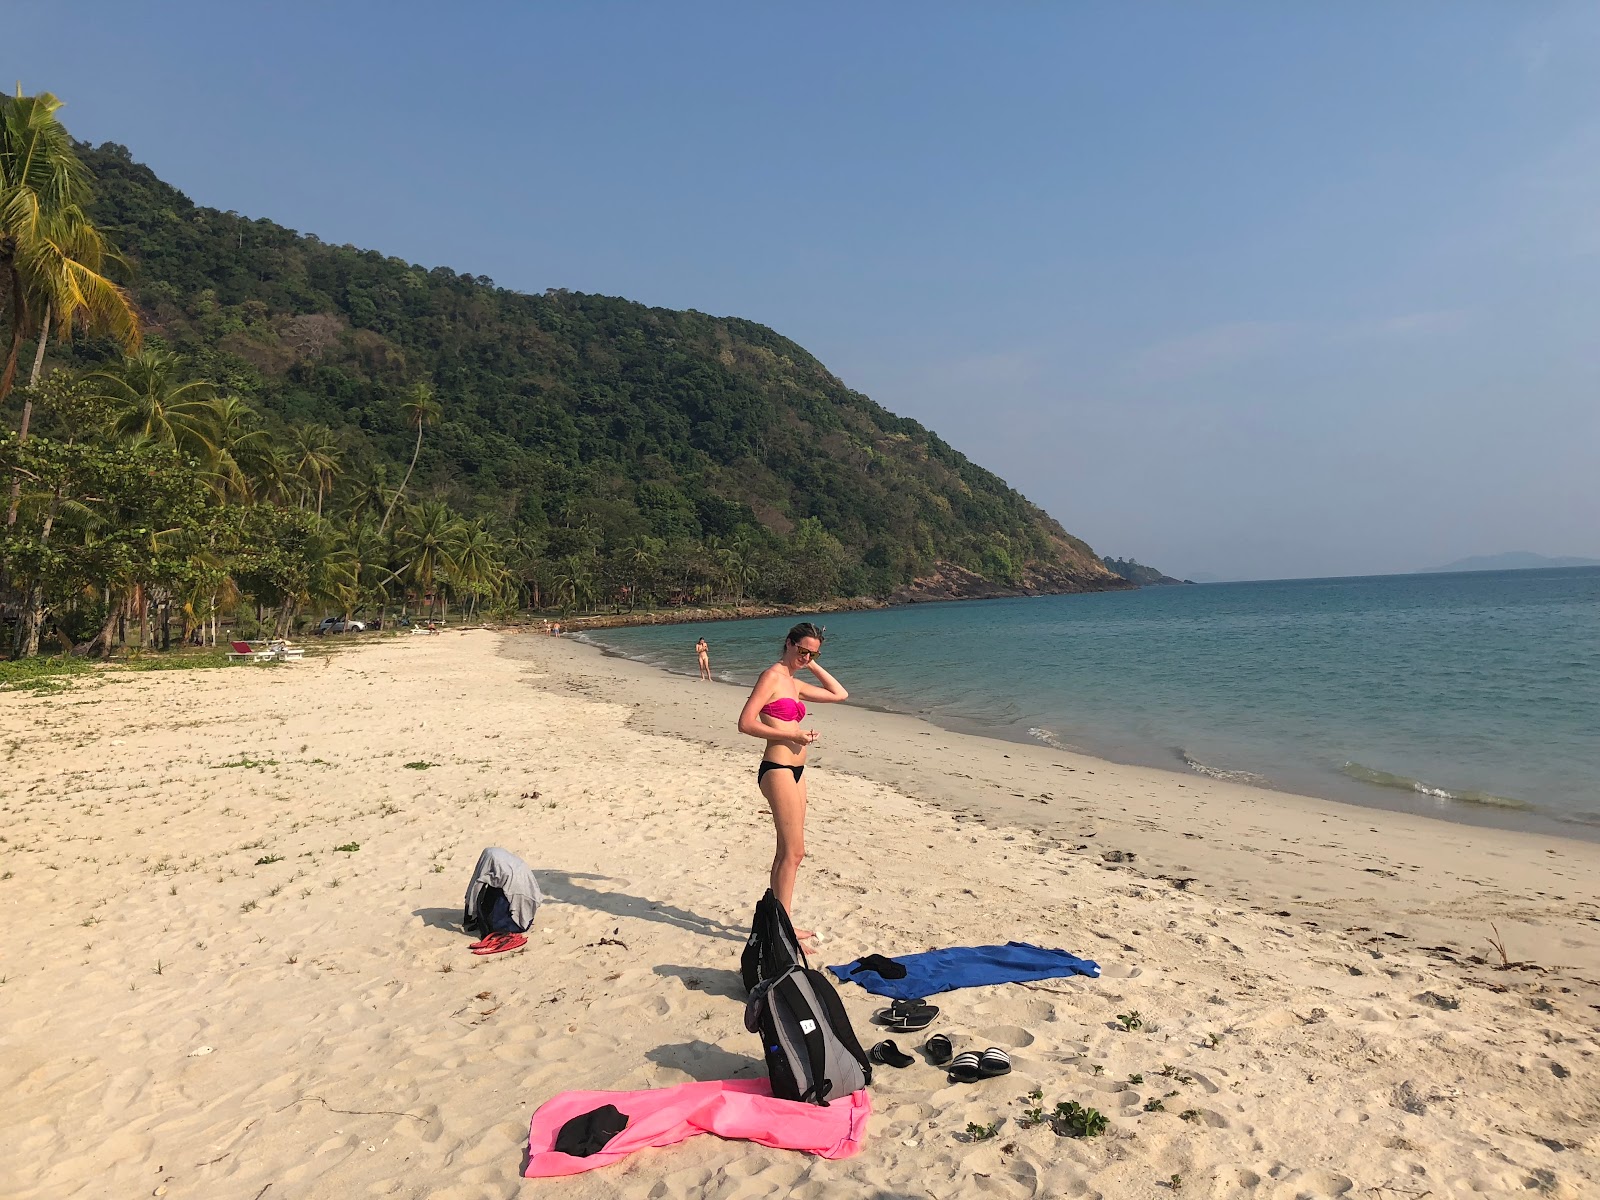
(243, 651)
(283, 652)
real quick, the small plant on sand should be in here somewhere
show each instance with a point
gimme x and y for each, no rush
(982, 1133)
(1498, 944)
(247, 906)
(1213, 1040)
(158, 966)
(275, 891)
(438, 868)
(1136, 1079)
(173, 890)
(304, 892)
(333, 883)
(1130, 1021)
(1175, 1182)
(348, 848)
(1073, 1120)
(1154, 1105)
(1034, 1114)
(266, 860)
(1189, 1114)
(419, 765)
(446, 969)
(1098, 1069)
(292, 959)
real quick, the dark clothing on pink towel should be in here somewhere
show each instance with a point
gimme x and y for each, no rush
(744, 1109)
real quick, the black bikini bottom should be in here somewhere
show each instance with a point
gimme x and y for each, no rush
(766, 766)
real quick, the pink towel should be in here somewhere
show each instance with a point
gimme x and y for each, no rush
(734, 1108)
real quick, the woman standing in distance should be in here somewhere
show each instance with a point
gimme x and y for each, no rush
(703, 653)
(774, 711)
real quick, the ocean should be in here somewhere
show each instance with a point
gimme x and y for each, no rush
(1474, 697)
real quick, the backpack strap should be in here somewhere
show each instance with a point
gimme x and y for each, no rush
(811, 1029)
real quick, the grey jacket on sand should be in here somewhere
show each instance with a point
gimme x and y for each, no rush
(504, 870)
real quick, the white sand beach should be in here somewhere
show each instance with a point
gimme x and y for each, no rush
(204, 997)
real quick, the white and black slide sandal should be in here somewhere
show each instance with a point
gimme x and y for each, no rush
(994, 1061)
(964, 1068)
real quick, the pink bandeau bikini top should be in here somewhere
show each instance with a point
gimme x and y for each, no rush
(785, 709)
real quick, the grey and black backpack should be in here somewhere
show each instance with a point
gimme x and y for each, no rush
(772, 947)
(811, 1051)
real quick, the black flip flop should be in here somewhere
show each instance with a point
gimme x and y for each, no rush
(966, 1068)
(901, 1006)
(908, 1015)
(887, 1052)
(911, 1020)
(994, 1061)
(939, 1049)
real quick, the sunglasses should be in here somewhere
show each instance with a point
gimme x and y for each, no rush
(808, 653)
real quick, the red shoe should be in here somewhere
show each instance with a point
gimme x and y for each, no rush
(508, 941)
(487, 940)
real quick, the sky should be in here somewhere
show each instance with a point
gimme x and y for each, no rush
(1242, 290)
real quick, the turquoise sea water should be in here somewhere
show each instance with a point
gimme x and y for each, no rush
(1469, 696)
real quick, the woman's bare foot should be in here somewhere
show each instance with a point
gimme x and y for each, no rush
(806, 935)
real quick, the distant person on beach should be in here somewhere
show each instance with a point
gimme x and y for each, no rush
(703, 652)
(774, 711)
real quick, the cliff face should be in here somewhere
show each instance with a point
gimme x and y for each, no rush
(951, 582)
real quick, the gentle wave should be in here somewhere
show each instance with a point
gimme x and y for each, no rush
(1049, 738)
(1200, 768)
(1404, 783)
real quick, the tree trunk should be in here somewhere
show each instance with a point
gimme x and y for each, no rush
(30, 643)
(144, 618)
(27, 413)
(382, 525)
(19, 317)
(103, 638)
(33, 612)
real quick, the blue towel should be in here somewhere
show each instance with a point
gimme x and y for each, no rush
(935, 971)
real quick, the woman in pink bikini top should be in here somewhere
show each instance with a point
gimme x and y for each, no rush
(773, 712)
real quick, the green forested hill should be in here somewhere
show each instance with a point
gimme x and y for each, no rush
(576, 422)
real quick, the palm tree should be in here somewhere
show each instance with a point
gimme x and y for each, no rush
(426, 542)
(479, 569)
(152, 397)
(640, 557)
(574, 584)
(51, 256)
(315, 459)
(238, 454)
(421, 410)
(369, 494)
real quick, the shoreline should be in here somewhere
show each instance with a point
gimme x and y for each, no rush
(1060, 794)
(1350, 792)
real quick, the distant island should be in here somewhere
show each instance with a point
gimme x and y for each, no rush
(1137, 572)
(1514, 560)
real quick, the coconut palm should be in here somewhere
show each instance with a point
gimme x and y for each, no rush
(421, 410)
(425, 543)
(51, 255)
(152, 397)
(238, 455)
(640, 556)
(573, 584)
(315, 460)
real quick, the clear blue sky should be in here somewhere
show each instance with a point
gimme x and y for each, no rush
(1249, 289)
